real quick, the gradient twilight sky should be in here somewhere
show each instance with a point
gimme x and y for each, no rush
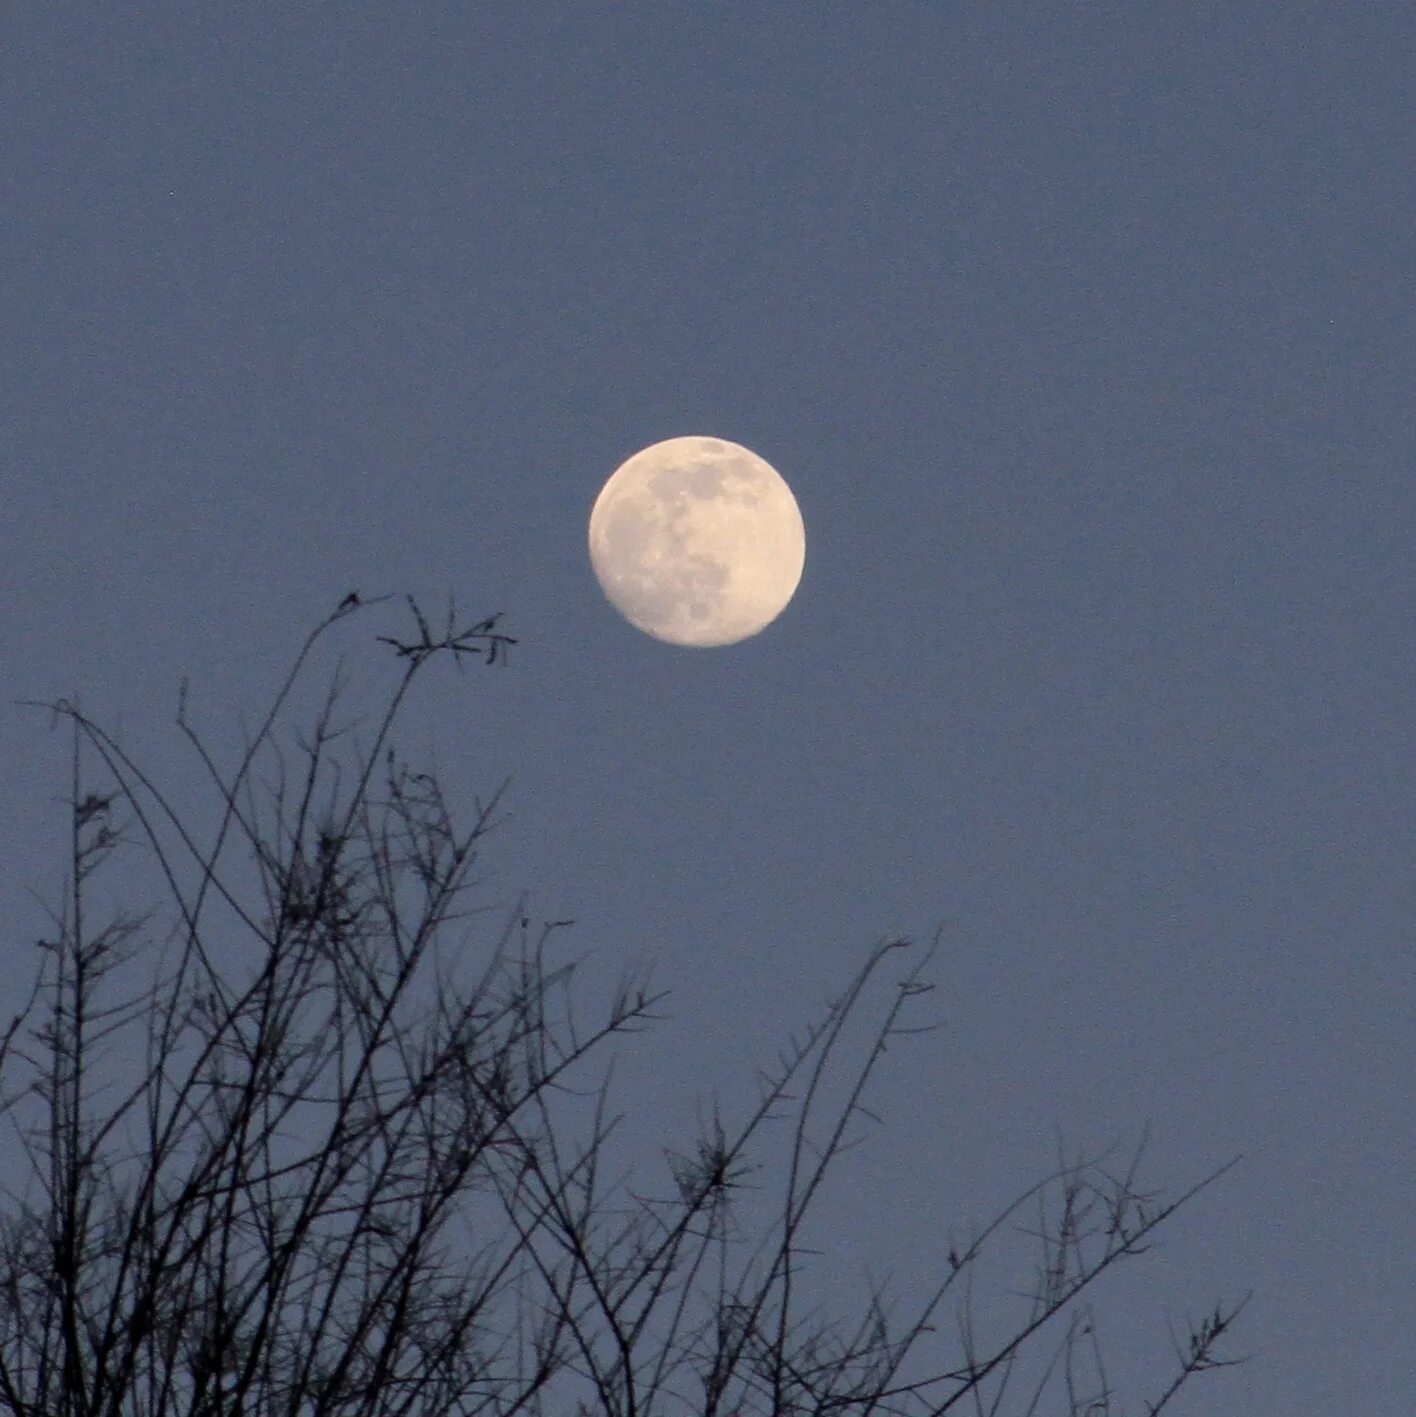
(1084, 336)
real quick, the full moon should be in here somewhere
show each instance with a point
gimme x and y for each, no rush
(697, 541)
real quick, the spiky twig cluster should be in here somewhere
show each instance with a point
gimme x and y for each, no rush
(262, 1222)
(480, 639)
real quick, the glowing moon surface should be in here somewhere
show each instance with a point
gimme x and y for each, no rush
(697, 541)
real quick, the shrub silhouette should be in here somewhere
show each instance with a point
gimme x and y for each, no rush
(261, 1223)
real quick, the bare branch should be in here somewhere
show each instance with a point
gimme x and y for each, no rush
(351, 1180)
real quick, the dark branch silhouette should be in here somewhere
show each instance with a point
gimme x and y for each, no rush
(343, 1180)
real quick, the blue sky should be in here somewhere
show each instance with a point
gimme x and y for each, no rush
(1083, 335)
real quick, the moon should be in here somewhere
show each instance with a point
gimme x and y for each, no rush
(697, 541)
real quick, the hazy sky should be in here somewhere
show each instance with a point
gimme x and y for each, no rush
(1083, 334)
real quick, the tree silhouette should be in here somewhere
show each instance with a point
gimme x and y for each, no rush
(261, 1222)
